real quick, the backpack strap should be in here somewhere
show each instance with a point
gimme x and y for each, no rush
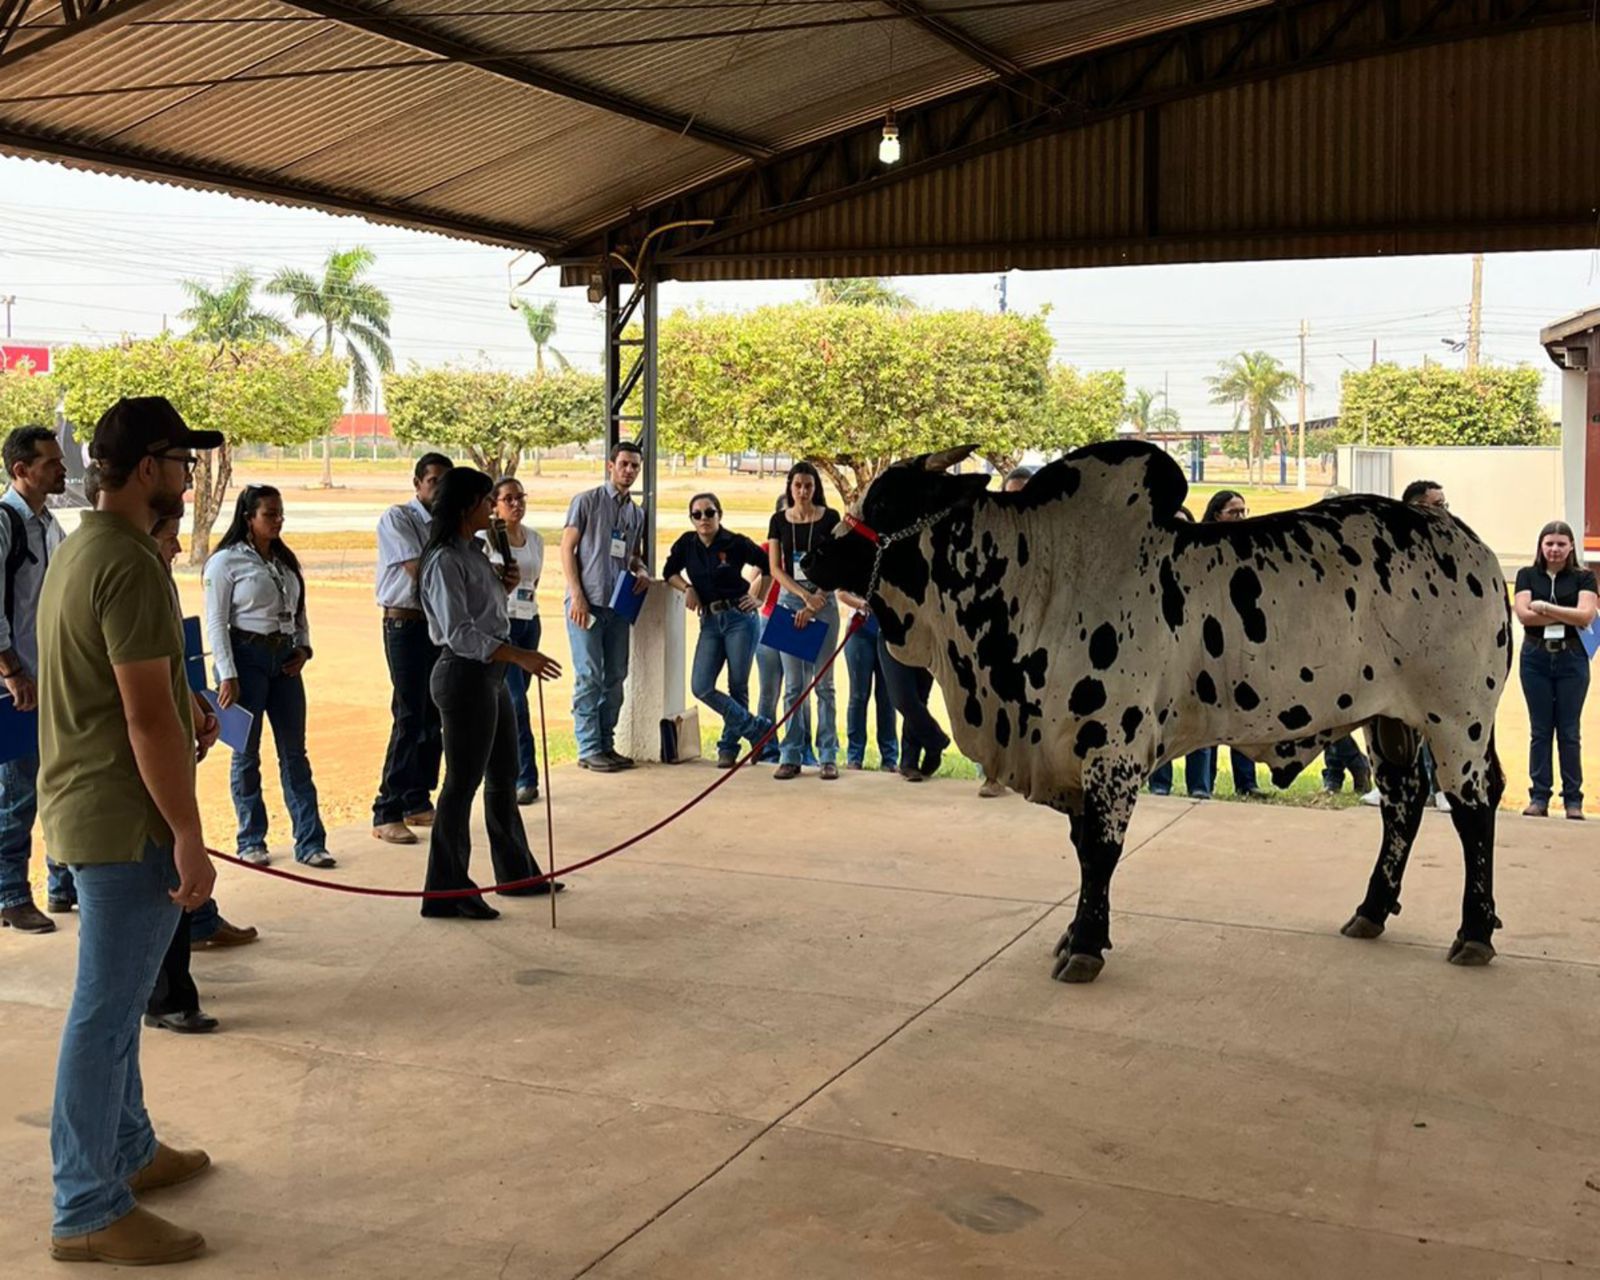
(19, 553)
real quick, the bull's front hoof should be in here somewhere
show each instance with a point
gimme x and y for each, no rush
(1064, 943)
(1470, 954)
(1358, 926)
(1079, 967)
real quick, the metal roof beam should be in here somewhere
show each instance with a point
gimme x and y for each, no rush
(94, 16)
(248, 185)
(1096, 87)
(519, 72)
(952, 35)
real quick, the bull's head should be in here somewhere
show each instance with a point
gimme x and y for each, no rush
(904, 495)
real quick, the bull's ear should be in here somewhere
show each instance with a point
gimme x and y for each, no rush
(947, 458)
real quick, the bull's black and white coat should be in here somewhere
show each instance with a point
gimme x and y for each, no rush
(1082, 634)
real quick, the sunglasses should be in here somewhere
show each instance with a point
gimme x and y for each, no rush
(706, 513)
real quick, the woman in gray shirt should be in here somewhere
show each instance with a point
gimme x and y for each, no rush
(464, 601)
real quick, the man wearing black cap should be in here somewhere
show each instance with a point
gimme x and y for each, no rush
(116, 795)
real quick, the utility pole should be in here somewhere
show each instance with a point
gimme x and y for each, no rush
(1002, 289)
(1475, 315)
(1374, 353)
(1300, 462)
(9, 301)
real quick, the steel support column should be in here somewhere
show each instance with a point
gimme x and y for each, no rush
(631, 316)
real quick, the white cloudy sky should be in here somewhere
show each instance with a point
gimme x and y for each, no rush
(90, 257)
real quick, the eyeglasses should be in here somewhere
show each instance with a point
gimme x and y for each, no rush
(707, 513)
(188, 459)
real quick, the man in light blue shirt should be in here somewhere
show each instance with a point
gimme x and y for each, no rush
(29, 535)
(411, 765)
(603, 539)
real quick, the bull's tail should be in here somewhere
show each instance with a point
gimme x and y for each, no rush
(1497, 775)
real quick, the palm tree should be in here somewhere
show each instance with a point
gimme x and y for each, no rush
(348, 308)
(541, 322)
(861, 291)
(1254, 383)
(229, 314)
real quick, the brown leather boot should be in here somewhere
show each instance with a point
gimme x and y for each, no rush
(169, 1168)
(1536, 809)
(139, 1239)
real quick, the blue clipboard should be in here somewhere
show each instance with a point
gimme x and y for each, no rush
(781, 634)
(233, 722)
(19, 732)
(624, 602)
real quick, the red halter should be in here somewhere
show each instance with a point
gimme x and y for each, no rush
(861, 527)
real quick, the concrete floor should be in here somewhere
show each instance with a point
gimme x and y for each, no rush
(809, 1031)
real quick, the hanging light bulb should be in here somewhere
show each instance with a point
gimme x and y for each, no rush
(889, 148)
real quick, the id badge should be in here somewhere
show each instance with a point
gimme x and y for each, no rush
(799, 563)
(285, 618)
(1555, 631)
(524, 595)
(619, 547)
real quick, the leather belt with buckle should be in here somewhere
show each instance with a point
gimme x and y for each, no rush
(393, 614)
(722, 606)
(274, 640)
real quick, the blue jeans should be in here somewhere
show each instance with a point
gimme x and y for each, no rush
(268, 694)
(19, 804)
(1340, 756)
(769, 663)
(525, 634)
(862, 662)
(1555, 685)
(727, 639)
(1197, 777)
(1244, 773)
(204, 921)
(100, 1134)
(599, 670)
(796, 676)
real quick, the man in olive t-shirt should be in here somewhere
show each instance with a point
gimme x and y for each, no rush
(116, 798)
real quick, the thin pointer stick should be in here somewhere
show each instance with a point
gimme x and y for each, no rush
(549, 812)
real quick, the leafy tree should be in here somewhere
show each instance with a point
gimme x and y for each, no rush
(860, 291)
(229, 314)
(26, 400)
(347, 307)
(1432, 405)
(1142, 414)
(1079, 409)
(541, 322)
(494, 416)
(1254, 383)
(852, 388)
(252, 392)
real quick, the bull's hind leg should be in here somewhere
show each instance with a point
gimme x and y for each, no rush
(1474, 783)
(1404, 789)
(1098, 827)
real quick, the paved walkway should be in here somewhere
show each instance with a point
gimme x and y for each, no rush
(809, 1032)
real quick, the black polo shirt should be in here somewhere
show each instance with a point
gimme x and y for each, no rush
(1562, 591)
(714, 571)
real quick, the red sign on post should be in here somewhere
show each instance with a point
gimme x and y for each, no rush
(15, 356)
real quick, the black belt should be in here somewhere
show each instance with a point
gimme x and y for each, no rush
(1549, 646)
(276, 640)
(721, 606)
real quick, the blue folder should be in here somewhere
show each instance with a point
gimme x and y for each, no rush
(1590, 636)
(234, 722)
(781, 634)
(194, 658)
(624, 602)
(19, 732)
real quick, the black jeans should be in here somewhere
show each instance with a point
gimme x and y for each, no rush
(1341, 755)
(480, 748)
(175, 991)
(1555, 685)
(909, 688)
(411, 766)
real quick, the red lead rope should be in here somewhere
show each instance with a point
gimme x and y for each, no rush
(435, 894)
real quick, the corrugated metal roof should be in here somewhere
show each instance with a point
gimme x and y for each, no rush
(1398, 152)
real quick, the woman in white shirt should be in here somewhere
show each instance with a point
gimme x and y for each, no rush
(522, 607)
(259, 640)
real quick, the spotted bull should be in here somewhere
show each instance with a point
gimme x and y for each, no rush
(1082, 634)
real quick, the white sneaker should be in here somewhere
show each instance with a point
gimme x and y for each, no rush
(1441, 804)
(1373, 797)
(256, 857)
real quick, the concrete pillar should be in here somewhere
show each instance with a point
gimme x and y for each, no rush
(1574, 445)
(656, 686)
